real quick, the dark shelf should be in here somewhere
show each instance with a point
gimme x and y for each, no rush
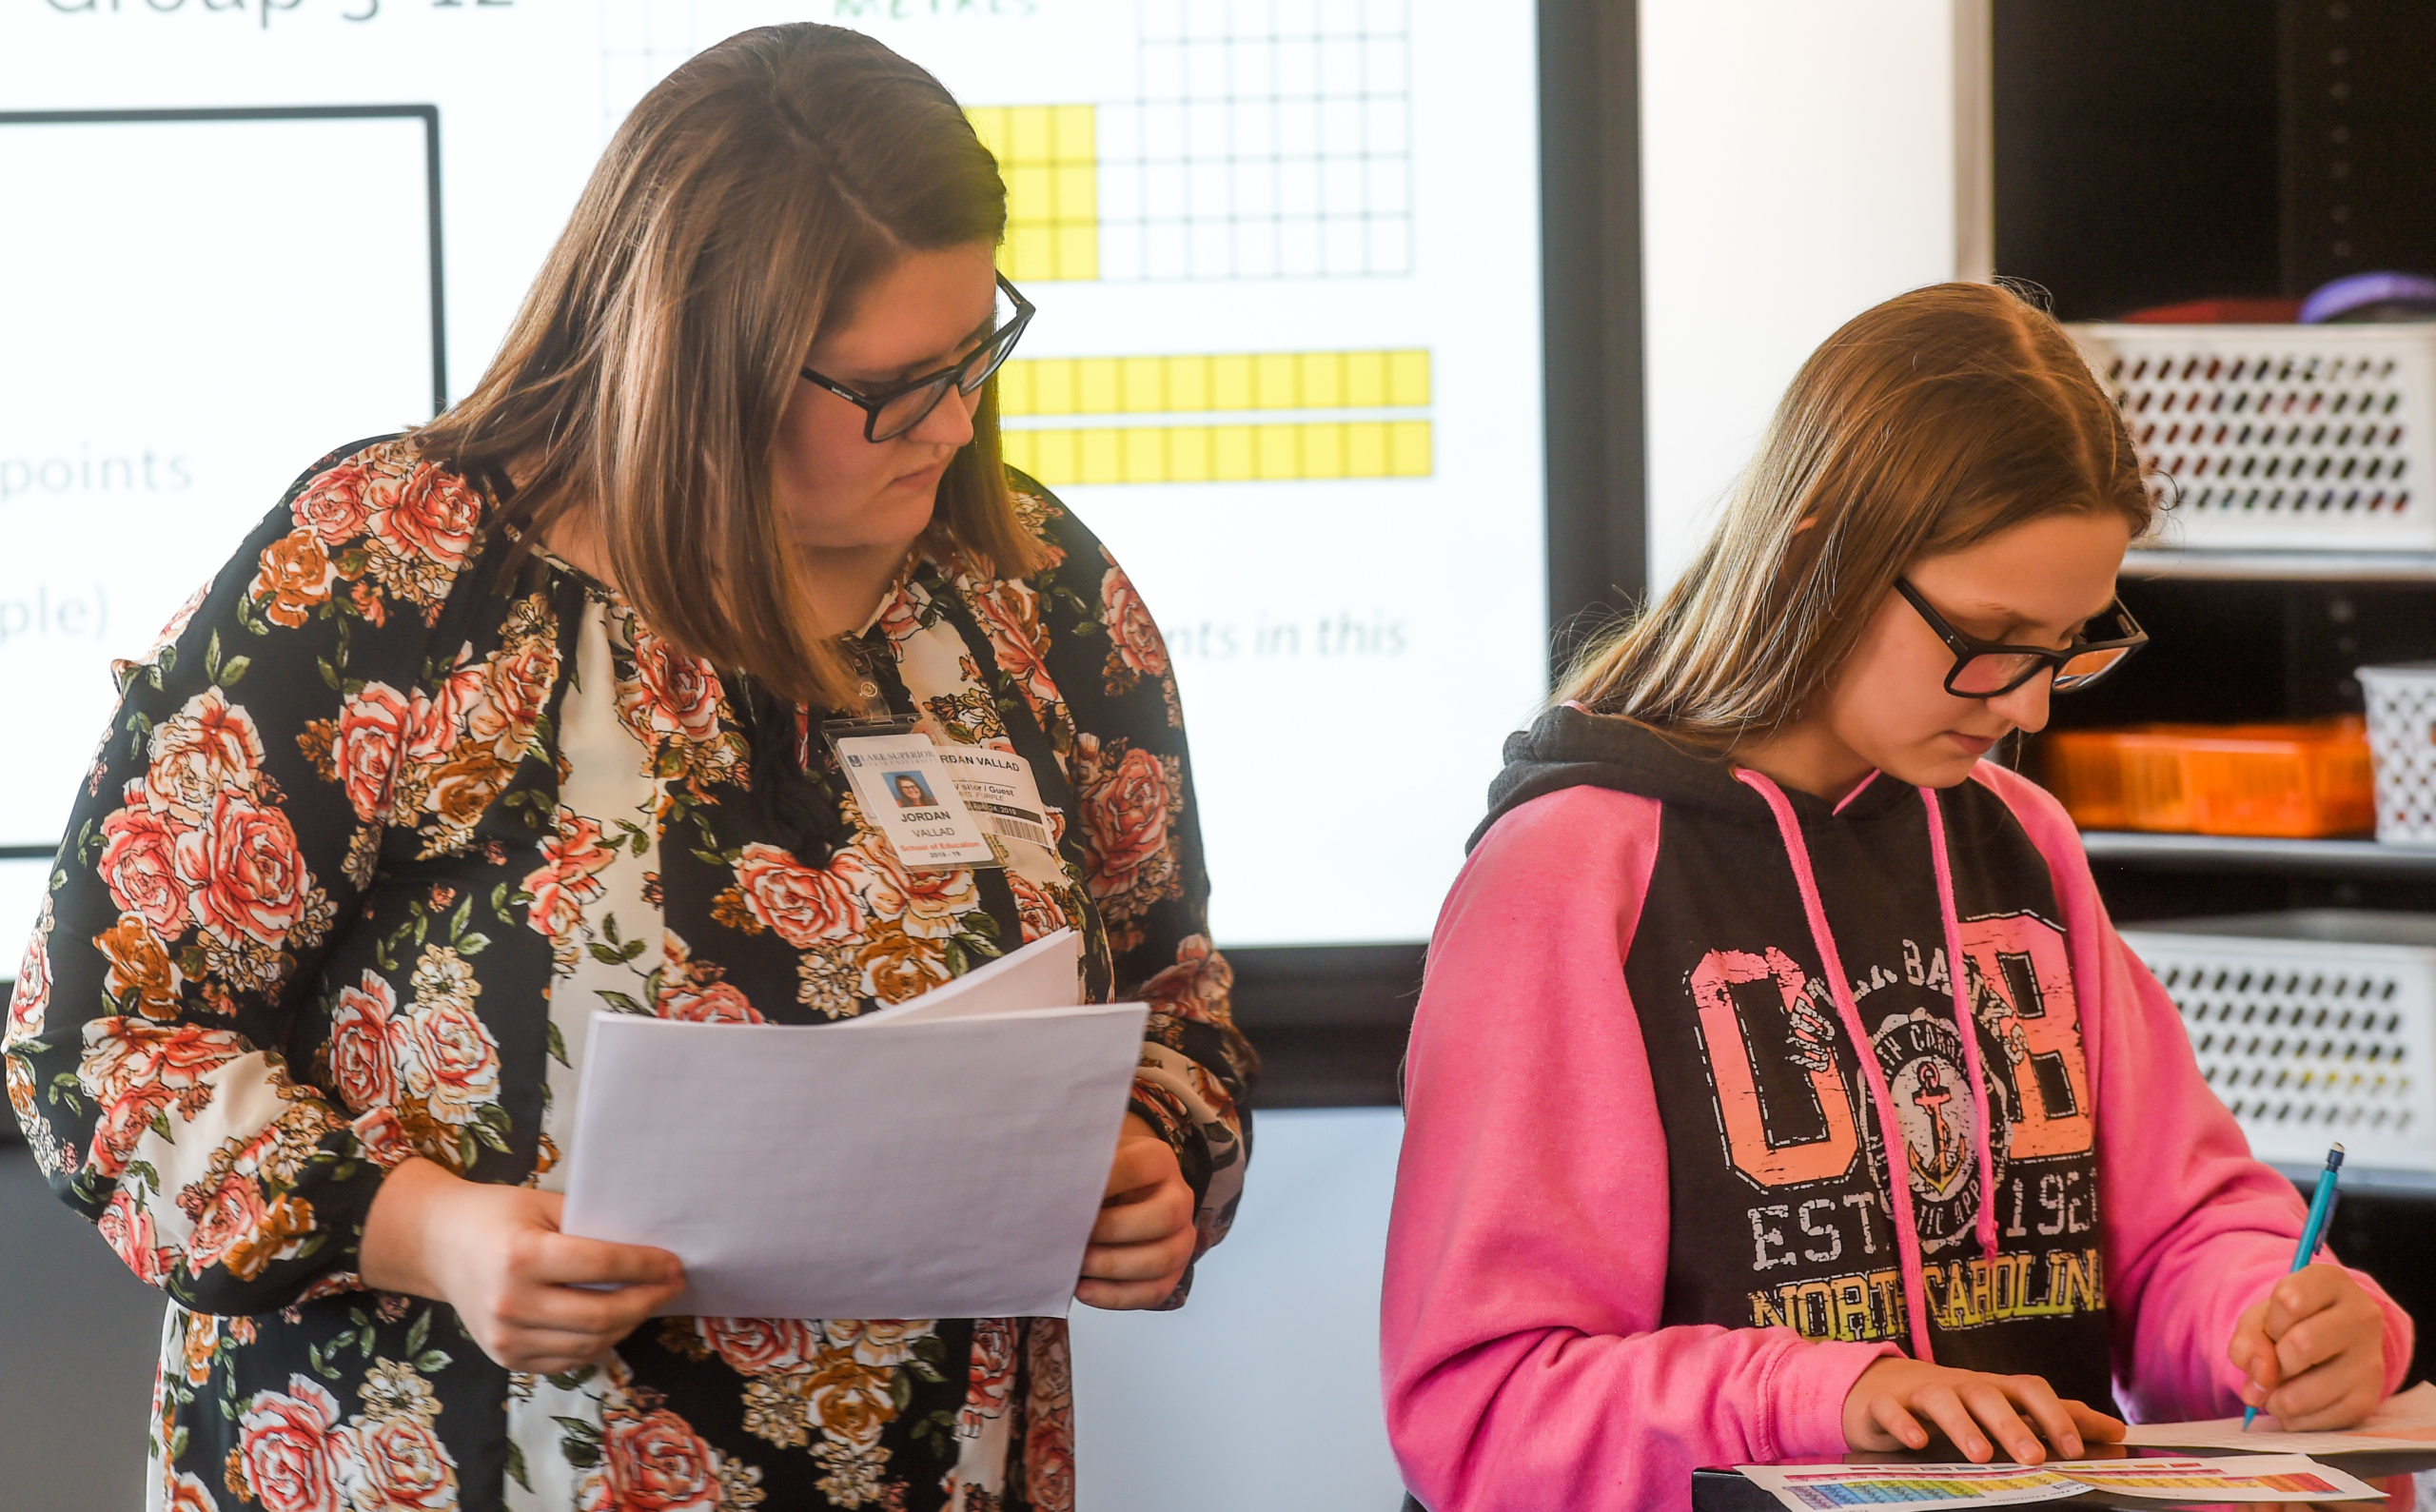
(2219, 853)
(1330, 1022)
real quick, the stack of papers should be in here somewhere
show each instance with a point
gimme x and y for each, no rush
(943, 1158)
(2267, 1477)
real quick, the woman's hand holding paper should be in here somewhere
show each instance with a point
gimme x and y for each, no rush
(534, 1299)
(2314, 1350)
(1144, 1237)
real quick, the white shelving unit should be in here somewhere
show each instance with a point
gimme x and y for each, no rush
(2283, 566)
(2184, 852)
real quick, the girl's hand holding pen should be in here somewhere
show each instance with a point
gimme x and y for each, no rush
(2314, 1350)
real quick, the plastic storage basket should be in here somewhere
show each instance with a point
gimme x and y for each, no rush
(2297, 438)
(2402, 733)
(2294, 781)
(2313, 1026)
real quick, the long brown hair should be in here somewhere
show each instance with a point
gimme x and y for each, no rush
(1925, 425)
(738, 212)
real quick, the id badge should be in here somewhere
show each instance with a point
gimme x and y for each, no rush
(908, 796)
(998, 788)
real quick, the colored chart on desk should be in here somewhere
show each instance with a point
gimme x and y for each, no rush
(1887, 1491)
(2260, 1479)
(1288, 359)
(1908, 1487)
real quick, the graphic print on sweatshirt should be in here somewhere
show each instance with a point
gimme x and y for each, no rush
(1781, 1213)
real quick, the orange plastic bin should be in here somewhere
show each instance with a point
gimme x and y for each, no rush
(2287, 780)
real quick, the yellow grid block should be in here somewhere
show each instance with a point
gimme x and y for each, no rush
(1231, 381)
(1095, 385)
(1142, 385)
(1322, 451)
(1048, 156)
(1231, 449)
(1101, 459)
(1195, 453)
(1153, 386)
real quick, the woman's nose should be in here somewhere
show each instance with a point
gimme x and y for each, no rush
(2025, 708)
(949, 422)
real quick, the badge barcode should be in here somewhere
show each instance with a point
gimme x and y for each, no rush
(1018, 830)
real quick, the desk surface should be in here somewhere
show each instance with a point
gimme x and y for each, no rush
(1723, 1490)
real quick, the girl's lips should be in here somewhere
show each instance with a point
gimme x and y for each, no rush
(923, 475)
(1971, 743)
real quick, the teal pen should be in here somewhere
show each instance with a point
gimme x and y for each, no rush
(2312, 1232)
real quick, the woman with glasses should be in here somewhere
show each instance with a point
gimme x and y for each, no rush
(524, 715)
(1779, 1087)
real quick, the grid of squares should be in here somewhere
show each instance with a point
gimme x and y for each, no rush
(1266, 139)
(1048, 156)
(1231, 381)
(1210, 454)
(641, 42)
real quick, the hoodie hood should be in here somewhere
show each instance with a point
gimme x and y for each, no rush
(1567, 748)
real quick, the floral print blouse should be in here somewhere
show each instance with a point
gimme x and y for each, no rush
(389, 813)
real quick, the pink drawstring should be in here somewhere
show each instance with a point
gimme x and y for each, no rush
(1859, 789)
(1957, 972)
(1898, 1163)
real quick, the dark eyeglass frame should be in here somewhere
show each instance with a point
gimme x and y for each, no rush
(2043, 659)
(964, 375)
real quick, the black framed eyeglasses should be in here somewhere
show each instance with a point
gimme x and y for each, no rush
(893, 411)
(1986, 669)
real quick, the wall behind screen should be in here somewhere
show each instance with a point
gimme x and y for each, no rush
(1799, 165)
(1287, 361)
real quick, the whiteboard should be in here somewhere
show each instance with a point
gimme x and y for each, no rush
(185, 326)
(1287, 361)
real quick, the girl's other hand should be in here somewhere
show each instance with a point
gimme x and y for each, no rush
(1145, 1236)
(2314, 1350)
(526, 1292)
(1896, 1400)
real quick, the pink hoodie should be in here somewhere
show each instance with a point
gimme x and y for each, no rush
(1523, 1359)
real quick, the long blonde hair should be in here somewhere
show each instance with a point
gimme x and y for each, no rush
(1925, 425)
(741, 208)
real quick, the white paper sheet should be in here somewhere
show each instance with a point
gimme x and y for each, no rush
(2404, 1422)
(2260, 1477)
(939, 1168)
(1046, 973)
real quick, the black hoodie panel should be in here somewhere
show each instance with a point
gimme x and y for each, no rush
(1778, 1202)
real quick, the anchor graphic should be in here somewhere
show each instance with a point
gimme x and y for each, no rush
(1932, 1092)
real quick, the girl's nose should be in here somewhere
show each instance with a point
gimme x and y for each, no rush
(2026, 706)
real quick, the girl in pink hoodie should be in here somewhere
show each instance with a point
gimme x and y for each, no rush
(1779, 1086)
